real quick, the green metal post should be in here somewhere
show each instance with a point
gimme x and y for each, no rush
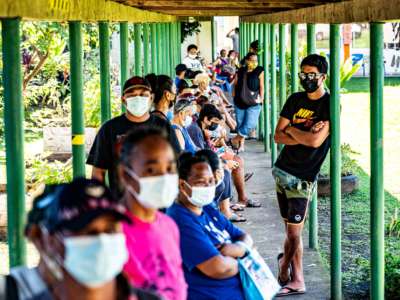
(282, 64)
(168, 48)
(251, 33)
(335, 173)
(274, 149)
(104, 41)
(124, 55)
(146, 44)
(376, 183)
(240, 37)
(294, 45)
(255, 31)
(158, 48)
(138, 49)
(153, 32)
(261, 132)
(313, 220)
(213, 39)
(163, 51)
(78, 122)
(14, 139)
(179, 42)
(266, 106)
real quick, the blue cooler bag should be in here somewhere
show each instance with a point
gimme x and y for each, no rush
(258, 282)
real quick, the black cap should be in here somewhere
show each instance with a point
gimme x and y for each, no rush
(181, 68)
(74, 205)
(136, 82)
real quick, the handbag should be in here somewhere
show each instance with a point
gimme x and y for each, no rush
(258, 282)
(248, 96)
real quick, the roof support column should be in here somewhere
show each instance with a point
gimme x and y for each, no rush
(146, 55)
(313, 211)
(168, 48)
(294, 45)
(104, 42)
(261, 132)
(124, 56)
(282, 65)
(377, 187)
(14, 140)
(274, 149)
(266, 106)
(76, 81)
(179, 26)
(213, 39)
(335, 165)
(138, 49)
(158, 46)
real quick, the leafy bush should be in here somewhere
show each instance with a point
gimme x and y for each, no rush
(349, 164)
(392, 276)
(393, 228)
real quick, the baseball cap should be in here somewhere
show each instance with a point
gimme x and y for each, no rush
(181, 68)
(136, 82)
(74, 205)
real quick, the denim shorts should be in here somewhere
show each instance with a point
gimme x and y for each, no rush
(293, 195)
(247, 119)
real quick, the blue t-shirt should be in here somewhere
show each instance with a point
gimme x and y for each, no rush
(189, 145)
(200, 237)
(196, 134)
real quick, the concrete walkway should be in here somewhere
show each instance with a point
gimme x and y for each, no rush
(266, 227)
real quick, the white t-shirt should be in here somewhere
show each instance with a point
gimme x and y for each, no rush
(192, 63)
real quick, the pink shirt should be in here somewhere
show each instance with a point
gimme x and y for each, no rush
(155, 261)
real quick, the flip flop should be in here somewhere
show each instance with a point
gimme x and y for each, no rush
(280, 281)
(248, 176)
(238, 207)
(235, 218)
(252, 203)
(291, 291)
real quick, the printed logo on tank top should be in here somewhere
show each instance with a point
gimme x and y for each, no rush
(305, 117)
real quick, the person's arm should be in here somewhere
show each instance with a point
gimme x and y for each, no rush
(281, 137)
(180, 138)
(99, 174)
(309, 138)
(219, 267)
(229, 33)
(234, 86)
(236, 250)
(261, 78)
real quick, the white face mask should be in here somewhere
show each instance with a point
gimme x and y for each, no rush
(95, 260)
(188, 121)
(192, 56)
(201, 195)
(155, 191)
(138, 105)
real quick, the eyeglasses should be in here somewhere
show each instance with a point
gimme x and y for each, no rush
(310, 76)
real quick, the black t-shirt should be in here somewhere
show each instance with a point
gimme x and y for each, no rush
(253, 83)
(302, 161)
(105, 150)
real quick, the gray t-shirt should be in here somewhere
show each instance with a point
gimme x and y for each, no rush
(235, 41)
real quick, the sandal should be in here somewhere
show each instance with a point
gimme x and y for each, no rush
(291, 291)
(238, 207)
(247, 176)
(252, 203)
(235, 218)
(280, 281)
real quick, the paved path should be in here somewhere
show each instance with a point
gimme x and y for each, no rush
(266, 227)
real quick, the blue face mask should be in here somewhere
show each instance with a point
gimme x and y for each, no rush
(170, 115)
(95, 260)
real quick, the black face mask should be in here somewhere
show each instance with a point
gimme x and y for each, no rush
(310, 86)
(212, 127)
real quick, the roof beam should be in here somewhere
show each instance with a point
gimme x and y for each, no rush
(221, 12)
(74, 10)
(354, 11)
(226, 3)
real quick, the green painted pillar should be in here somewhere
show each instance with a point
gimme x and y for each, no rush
(261, 132)
(179, 42)
(138, 49)
(124, 56)
(77, 106)
(266, 106)
(163, 50)
(377, 176)
(158, 49)
(168, 48)
(213, 38)
(294, 45)
(335, 171)
(104, 42)
(313, 215)
(146, 50)
(173, 48)
(245, 38)
(153, 30)
(282, 65)
(274, 150)
(14, 140)
(240, 37)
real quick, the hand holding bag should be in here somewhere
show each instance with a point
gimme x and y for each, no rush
(257, 279)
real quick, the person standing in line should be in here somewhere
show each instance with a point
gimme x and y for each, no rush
(234, 35)
(248, 98)
(303, 127)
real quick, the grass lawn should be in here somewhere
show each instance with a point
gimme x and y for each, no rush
(361, 42)
(356, 207)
